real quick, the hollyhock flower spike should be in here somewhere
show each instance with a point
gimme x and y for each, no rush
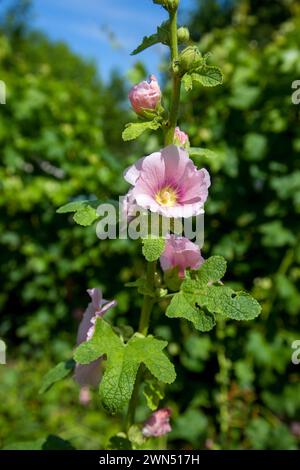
(181, 138)
(146, 95)
(168, 182)
(158, 424)
(182, 253)
(89, 374)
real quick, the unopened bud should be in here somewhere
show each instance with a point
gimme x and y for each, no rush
(169, 5)
(183, 35)
(145, 96)
(189, 59)
(181, 138)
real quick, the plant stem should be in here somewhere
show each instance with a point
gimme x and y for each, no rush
(147, 306)
(148, 301)
(176, 80)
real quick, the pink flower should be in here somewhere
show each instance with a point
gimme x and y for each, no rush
(168, 182)
(180, 252)
(85, 395)
(129, 207)
(181, 138)
(158, 424)
(145, 95)
(89, 374)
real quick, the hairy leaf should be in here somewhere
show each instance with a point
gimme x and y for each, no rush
(199, 299)
(59, 372)
(187, 82)
(153, 393)
(201, 152)
(147, 41)
(185, 306)
(134, 129)
(161, 36)
(123, 361)
(208, 76)
(153, 248)
(85, 211)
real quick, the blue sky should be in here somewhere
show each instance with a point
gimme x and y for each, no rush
(88, 26)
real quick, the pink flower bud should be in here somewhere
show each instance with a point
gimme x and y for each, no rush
(182, 253)
(158, 423)
(85, 396)
(145, 95)
(181, 138)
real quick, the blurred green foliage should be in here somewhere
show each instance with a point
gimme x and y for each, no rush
(60, 135)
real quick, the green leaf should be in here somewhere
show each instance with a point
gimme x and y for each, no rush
(172, 279)
(202, 152)
(212, 270)
(59, 372)
(123, 361)
(85, 211)
(231, 304)
(153, 248)
(153, 393)
(71, 207)
(161, 36)
(147, 41)
(135, 436)
(135, 129)
(208, 76)
(185, 306)
(199, 300)
(85, 216)
(187, 82)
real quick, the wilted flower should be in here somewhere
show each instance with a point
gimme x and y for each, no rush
(181, 138)
(167, 182)
(182, 253)
(146, 95)
(89, 374)
(158, 423)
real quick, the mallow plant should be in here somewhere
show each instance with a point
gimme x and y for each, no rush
(177, 280)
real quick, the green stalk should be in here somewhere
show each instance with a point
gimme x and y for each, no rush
(147, 306)
(176, 80)
(148, 301)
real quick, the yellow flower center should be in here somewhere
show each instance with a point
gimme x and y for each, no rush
(166, 196)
